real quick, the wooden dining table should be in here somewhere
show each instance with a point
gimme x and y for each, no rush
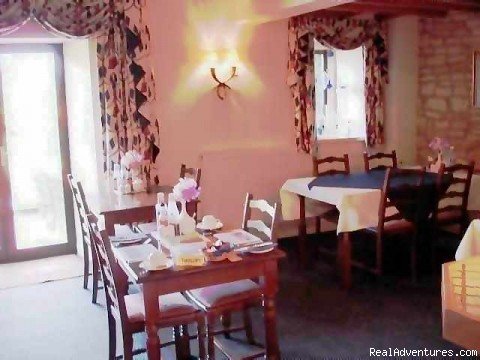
(357, 207)
(129, 208)
(176, 279)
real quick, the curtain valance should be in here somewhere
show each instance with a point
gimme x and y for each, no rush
(78, 18)
(344, 34)
(127, 87)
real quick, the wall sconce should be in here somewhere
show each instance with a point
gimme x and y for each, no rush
(222, 85)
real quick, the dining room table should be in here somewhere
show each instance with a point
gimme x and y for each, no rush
(179, 279)
(131, 208)
(356, 197)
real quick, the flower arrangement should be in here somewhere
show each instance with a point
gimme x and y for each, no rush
(186, 189)
(439, 144)
(132, 160)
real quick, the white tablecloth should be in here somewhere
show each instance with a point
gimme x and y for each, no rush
(358, 208)
(470, 244)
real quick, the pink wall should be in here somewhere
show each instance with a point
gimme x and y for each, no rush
(244, 143)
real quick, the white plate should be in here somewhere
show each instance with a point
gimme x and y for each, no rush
(262, 249)
(216, 227)
(146, 265)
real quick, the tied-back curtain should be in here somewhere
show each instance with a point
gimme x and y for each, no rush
(344, 34)
(127, 89)
(126, 80)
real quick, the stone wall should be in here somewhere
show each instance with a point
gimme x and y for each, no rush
(445, 82)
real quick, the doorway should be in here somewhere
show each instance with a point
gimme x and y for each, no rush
(36, 217)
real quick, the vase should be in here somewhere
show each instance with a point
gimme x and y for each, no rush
(435, 167)
(186, 222)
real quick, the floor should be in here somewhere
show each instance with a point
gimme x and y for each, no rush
(316, 319)
(39, 271)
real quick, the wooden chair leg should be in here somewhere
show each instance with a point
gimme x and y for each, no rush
(95, 278)
(413, 258)
(185, 340)
(247, 322)
(112, 338)
(86, 265)
(226, 320)
(201, 337)
(318, 225)
(178, 342)
(128, 347)
(379, 255)
(211, 336)
(434, 233)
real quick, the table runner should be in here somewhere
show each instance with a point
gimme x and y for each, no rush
(373, 179)
(415, 204)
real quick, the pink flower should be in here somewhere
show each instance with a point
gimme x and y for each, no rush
(186, 189)
(132, 160)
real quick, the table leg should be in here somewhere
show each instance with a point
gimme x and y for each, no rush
(270, 313)
(345, 259)
(302, 235)
(109, 224)
(150, 299)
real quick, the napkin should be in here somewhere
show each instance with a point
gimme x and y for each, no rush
(147, 228)
(124, 231)
(135, 253)
(238, 237)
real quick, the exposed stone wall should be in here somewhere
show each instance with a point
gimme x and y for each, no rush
(445, 82)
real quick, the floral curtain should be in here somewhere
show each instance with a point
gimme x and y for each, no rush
(344, 34)
(126, 80)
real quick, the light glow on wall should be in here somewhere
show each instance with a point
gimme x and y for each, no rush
(218, 36)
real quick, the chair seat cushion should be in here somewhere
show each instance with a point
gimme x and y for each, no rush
(171, 305)
(396, 226)
(225, 294)
(449, 216)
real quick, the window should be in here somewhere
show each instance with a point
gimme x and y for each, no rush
(339, 93)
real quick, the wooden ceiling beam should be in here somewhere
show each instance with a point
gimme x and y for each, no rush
(388, 11)
(424, 5)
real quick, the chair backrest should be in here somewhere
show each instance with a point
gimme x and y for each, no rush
(81, 205)
(195, 173)
(331, 160)
(402, 189)
(259, 225)
(391, 157)
(455, 199)
(113, 282)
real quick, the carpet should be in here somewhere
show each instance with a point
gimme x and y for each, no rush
(316, 319)
(40, 271)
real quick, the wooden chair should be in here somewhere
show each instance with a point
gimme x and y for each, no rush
(223, 299)
(195, 173)
(330, 212)
(380, 156)
(128, 310)
(451, 213)
(452, 204)
(88, 250)
(405, 194)
(259, 226)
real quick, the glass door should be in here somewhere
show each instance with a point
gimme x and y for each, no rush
(38, 211)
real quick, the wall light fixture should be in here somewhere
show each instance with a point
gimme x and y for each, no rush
(222, 85)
